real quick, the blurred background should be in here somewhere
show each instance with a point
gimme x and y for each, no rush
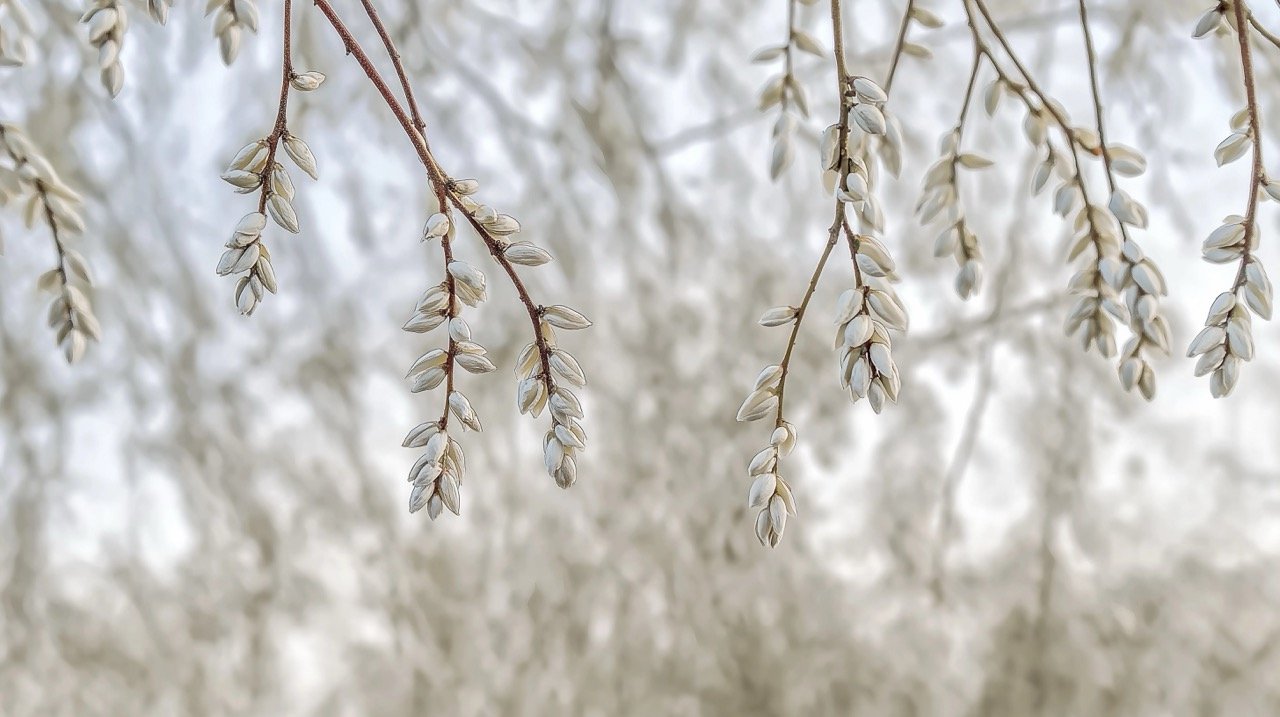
(207, 515)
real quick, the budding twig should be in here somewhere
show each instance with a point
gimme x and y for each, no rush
(439, 471)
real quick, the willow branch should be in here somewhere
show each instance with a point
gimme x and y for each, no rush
(280, 129)
(833, 233)
(1255, 133)
(439, 178)
(896, 56)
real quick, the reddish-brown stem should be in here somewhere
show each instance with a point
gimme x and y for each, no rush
(833, 234)
(440, 179)
(398, 64)
(438, 185)
(280, 129)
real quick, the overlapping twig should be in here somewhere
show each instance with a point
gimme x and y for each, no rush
(540, 366)
(864, 134)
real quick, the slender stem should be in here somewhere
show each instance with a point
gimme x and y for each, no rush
(398, 64)
(280, 129)
(1097, 96)
(1029, 83)
(968, 92)
(833, 233)
(837, 42)
(1269, 36)
(955, 158)
(439, 178)
(787, 56)
(1136, 324)
(1027, 77)
(438, 185)
(1255, 133)
(896, 56)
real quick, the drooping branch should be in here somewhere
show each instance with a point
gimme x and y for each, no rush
(438, 472)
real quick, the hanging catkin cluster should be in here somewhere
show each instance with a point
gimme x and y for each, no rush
(546, 374)
(1117, 285)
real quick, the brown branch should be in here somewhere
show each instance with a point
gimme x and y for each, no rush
(439, 186)
(1029, 84)
(439, 178)
(280, 129)
(833, 233)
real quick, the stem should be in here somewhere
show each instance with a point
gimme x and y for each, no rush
(955, 159)
(833, 234)
(1097, 97)
(439, 178)
(58, 247)
(398, 64)
(438, 185)
(1029, 83)
(968, 92)
(1028, 79)
(1136, 324)
(1269, 36)
(1255, 133)
(280, 129)
(897, 46)
(787, 61)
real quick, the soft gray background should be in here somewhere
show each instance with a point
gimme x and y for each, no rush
(207, 515)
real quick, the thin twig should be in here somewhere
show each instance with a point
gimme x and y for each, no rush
(788, 62)
(1097, 98)
(1029, 84)
(428, 160)
(955, 159)
(280, 129)
(439, 186)
(898, 44)
(1255, 133)
(833, 233)
(1141, 337)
